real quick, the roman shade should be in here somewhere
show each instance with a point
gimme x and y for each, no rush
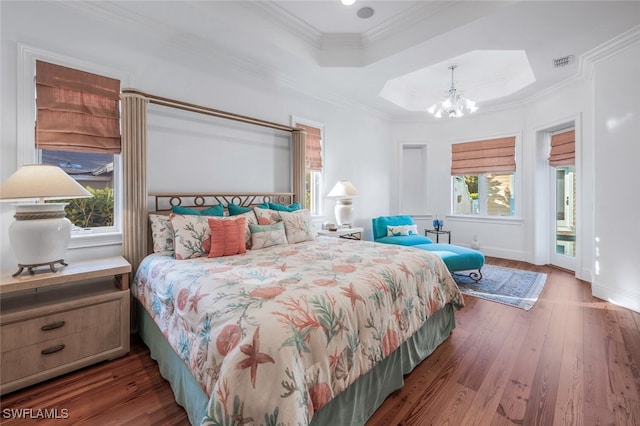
(563, 149)
(313, 148)
(76, 110)
(486, 156)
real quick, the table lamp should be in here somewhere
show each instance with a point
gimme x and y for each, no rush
(40, 234)
(343, 192)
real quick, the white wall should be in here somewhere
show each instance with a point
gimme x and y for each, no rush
(617, 196)
(157, 66)
(603, 105)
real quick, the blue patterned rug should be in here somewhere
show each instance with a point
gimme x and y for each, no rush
(513, 287)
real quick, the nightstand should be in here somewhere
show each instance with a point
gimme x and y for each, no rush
(55, 322)
(347, 233)
(437, 234)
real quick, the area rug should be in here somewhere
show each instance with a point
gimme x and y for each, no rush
(513, 287)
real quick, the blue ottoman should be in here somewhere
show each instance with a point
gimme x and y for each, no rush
(457, 258)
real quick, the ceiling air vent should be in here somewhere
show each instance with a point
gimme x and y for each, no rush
(562, 62)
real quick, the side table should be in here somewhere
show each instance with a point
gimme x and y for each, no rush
(437, 234)
(346, 233)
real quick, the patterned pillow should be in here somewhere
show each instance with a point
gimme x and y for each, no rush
(227, 236)
(263, 236)
(398, 230)
(161, 233)
(191, 235)
(298, 226)
(267, 216)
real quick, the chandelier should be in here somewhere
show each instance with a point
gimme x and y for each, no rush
(454, 106)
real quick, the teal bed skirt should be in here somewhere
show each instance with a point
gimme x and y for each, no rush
(353, 406)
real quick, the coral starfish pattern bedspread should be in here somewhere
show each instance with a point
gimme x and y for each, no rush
(274, 334)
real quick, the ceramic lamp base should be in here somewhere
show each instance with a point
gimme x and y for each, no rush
(344, 213)
(40, 235)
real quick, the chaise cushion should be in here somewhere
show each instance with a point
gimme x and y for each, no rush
(405, 240)
(455, 257)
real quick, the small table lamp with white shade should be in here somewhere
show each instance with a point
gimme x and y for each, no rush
(343, 192)
(41, 232)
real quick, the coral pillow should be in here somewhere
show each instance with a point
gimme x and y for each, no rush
(227, 236)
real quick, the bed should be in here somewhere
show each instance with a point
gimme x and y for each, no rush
(318, 331)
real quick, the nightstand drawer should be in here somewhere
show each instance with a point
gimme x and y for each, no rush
(55, 326)
(70, 337)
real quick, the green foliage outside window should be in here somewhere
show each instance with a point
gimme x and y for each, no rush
(93, 212)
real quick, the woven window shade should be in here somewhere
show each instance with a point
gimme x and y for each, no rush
(77, 110)
(491, 155)
(563, 149)
(313, 148)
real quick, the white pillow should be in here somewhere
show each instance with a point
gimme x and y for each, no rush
(161, 233)
(298, 226)
(399, 230)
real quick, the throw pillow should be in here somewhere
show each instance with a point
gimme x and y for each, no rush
(267, 216)
(263, 236)
(282, 208)
(227, 236)
(216, 210)
(235, 210)
(398, 230)
(191, 235)
(161, 233)
(298, 226)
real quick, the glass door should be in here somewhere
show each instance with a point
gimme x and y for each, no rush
(563, 250)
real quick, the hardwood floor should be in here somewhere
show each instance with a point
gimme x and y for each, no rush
(571, 360)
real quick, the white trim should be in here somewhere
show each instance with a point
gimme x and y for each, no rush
(617, 296)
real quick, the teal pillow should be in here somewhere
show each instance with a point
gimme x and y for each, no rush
(380, 224)
(235, 210)
(217, 210)
(282, 208)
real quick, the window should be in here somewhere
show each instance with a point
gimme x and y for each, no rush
(483, 177)
(101, 172)
(78, 129)
(313, 166)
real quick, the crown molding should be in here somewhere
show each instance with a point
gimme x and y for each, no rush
(607, 49)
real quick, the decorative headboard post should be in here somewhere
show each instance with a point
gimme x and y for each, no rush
(134, 162)
(298, 165)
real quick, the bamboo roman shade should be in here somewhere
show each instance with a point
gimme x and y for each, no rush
(313, 148)
(487, 156)
(77, 110)
(563, 149)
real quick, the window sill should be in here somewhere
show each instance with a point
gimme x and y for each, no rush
(508, 220)
(89, 239)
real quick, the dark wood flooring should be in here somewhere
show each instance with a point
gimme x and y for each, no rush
(571, 360)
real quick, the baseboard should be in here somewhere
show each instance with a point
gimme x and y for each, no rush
(617, 296)
(505, 254)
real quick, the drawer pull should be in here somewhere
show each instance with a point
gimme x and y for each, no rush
(52, 349)
(52, 326)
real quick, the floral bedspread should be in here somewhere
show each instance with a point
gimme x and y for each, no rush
(274, 334)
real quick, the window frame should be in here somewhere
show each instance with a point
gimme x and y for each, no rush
(25, 134)
(517, 184)
(319, 176)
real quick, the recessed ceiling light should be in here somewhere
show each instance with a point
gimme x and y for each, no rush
(365, 12)
(348, 2)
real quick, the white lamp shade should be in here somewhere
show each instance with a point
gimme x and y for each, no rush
(43, 182)
(343, 189)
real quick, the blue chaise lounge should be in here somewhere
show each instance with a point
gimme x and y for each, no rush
(401, 230)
